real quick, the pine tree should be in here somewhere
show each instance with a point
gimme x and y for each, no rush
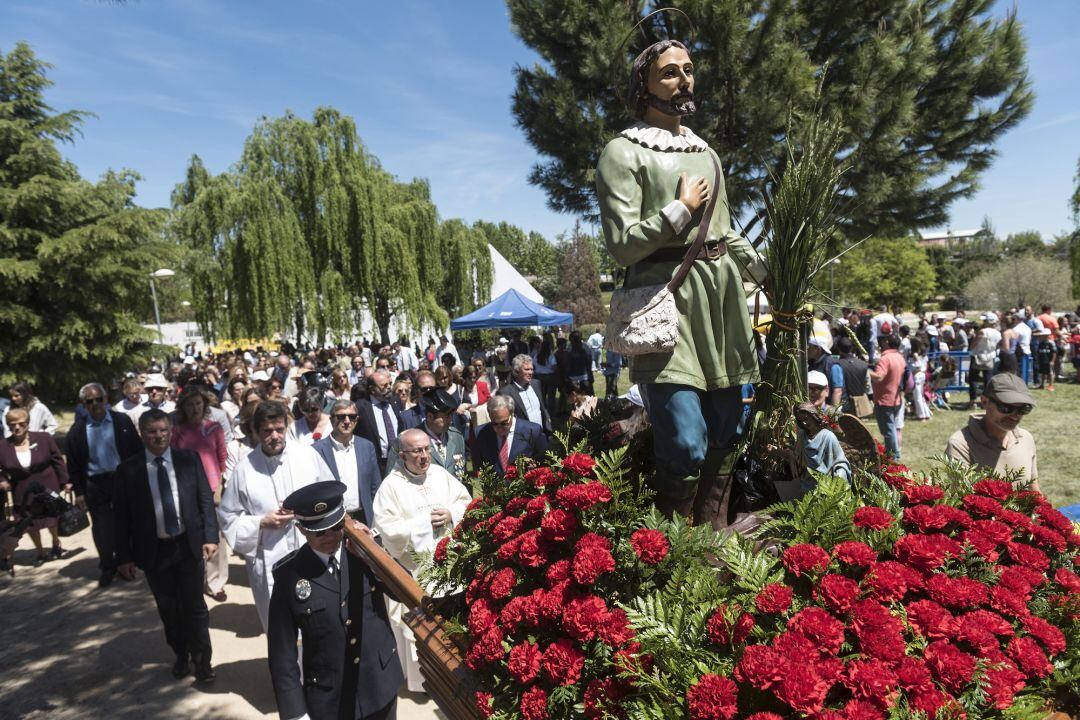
(924, 90)
(75, 256)
(579, 283)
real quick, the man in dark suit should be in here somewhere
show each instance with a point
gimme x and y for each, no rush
(414, 416)
(352, 460)
(97, 443)
(526, 393)
(506, 438)
(379, 419)
(331, 598)
(447, 442)
(166, 526)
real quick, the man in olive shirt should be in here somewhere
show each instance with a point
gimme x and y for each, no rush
(994, 439)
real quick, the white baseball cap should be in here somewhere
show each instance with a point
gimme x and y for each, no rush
(156, 380)
(634, 396)
(816, 377)
(260, 376)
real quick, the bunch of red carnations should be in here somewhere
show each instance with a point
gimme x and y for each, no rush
(544, 556)
(949, 598)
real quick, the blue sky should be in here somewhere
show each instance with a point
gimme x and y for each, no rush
(429, 85)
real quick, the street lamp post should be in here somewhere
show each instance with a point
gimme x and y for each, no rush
(161, 274)
(832, 278)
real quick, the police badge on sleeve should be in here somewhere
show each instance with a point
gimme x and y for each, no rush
(303, 589)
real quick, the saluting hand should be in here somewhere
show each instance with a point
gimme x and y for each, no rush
(276, 519)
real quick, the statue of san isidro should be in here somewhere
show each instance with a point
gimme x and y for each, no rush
(654, 181)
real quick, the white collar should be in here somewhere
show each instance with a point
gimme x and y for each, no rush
(345, 447)
(167, 455)
(326, 558)
(660, 139)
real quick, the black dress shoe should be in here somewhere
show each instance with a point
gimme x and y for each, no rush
(106, 579)
(204, 673)
(182, 667)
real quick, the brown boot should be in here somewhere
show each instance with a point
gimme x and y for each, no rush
(711, 501)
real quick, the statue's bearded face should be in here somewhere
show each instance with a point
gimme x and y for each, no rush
(671, 83)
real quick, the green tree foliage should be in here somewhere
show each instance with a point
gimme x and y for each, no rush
(1074, 237)
(1028, 242)
(307, 233)
(466, 284)
(882, 270)
(579, 282)
(530, 253)
(924, 89)
(1025, 280)
(75, 256)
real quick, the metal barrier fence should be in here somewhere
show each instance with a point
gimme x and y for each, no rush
(959, 381)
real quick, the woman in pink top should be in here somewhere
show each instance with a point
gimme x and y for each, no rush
(194, 430)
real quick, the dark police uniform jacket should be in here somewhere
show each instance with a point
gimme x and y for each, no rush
(351, 667)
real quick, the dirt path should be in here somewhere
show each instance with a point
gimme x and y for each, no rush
(71, 651)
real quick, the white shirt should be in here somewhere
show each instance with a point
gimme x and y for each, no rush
(447, 348)
(155, 491)
(596, 341)
(1023, 335)
(384, 440)
(531, 403)
(166, 407)
(326, 558)
(345, 458)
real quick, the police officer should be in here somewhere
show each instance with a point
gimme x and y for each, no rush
(447, 442)
(350, 667)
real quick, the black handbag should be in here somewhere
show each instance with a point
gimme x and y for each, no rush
(753, 488)
(72, 520)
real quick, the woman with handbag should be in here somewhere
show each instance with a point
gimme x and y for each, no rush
(29, 459)
(194, 430)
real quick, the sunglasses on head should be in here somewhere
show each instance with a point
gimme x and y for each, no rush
(1004, 409)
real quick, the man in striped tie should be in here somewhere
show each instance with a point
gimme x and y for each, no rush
(506, 438)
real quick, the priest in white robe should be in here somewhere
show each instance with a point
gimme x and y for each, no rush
(251, 516)
(417, 505)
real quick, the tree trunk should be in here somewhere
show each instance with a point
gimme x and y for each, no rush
(382, 320)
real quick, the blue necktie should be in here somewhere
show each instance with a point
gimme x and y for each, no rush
(168, 507)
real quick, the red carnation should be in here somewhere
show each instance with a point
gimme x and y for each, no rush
(1046, 537)
(873, 518)
(999, 532)
(534, 704)
(888, 580)
(913, 675)
(862, 710)
(870, 680)
(929, 701)
(926, 552)
(518, 611)
(982, 505)
(484, 702)
(1016, 520)
(558, 525)
(524, 662)
(590, 563)
(1022, 580)
(760, 666)
(579, 463)
(440, 549)
(1006, 601)
(1029, 657)
(482, 617)
(582, 496)
(998, 489)
(535, 508)
(602, 698)
(953, 515)
(1050, 636)
(958, 592)
(983, 545)
(616, 630)
(774, 598)
(533, 551)
(631, 660)
(1054, 518)
(930, 619)
(543, 477)
(853, 552)
(926, 518)
(501, 583)
(514, 506)
(880, 634)
(1002, 683)
(804, 689)
(953, 667)
(1067, 579)
(764, 716)
(917, 494)
(651, 546)
(583, 616)
(826, 632)
(838, 592)
(547, 604)
(1026, 555)
(562, 662)
(712, 698)
(511, 473)
(487, 649)
(507, 528)
(558, 571)
(722, 632)
(509, 549)
(805, 558)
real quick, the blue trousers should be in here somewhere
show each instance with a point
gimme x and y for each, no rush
(887, 417)
(686, 423)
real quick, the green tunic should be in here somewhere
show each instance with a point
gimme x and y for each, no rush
(715, 346)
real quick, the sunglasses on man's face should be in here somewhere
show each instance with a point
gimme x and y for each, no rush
(93, 401)
(1010, 409)
(336, 529)
(341, 417)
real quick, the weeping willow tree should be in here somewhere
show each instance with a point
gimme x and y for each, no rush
(308, 234)
(466, 284)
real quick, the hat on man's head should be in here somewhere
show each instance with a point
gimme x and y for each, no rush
(260, 376)
(1009, 389)
(437, 400)
(156, 380)
(816, 377)
(317, 506)
(634, 396)
(189, 360)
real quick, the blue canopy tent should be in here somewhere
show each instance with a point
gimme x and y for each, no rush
(509, 310)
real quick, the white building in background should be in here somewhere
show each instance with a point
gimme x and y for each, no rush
(947, 237)
(503, 277)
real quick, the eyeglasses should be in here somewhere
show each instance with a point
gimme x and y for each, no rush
(336, 529)
(93, 401)
(417, 452)
(341, 417)
(1004, 409)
